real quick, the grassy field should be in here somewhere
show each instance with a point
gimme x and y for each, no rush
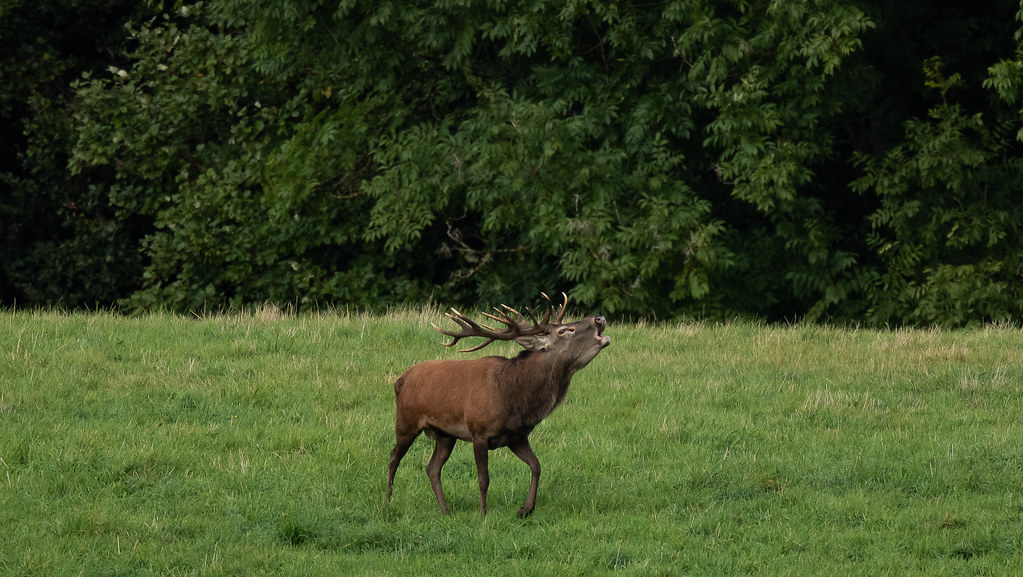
(258, 444)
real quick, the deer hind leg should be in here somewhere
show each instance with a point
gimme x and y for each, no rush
(480, 451)
(402, 443)
(524, 451)
(441, 452)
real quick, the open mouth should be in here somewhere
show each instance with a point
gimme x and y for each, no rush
(601, 325)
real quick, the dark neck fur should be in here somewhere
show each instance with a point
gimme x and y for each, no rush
(531, 380)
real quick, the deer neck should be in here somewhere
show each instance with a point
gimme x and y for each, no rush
(537, 381)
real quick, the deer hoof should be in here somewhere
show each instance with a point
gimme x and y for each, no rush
(524, 512)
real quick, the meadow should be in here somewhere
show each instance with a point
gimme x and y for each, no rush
(257, 444)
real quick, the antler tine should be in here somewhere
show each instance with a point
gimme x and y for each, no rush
(469, 327)
(550, 307)
(561, 311)
(518, 315)
(477, 347)
(461, 320)
(504, 318)
(532, 316)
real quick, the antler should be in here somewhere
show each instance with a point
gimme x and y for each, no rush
(517, 326)
(561, 311)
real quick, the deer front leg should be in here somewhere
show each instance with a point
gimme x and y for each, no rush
(480, 450)
(524, 451)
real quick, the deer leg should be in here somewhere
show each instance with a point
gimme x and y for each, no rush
(441, 452)
(401, 446)
(480, 450)
(524, 451)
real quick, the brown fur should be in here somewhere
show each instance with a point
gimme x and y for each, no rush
(491, 402)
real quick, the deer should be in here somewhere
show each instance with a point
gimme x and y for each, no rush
(494, 401)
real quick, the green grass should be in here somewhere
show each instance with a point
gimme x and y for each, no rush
(258, 444)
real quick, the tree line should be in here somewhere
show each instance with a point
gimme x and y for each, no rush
(838, 160)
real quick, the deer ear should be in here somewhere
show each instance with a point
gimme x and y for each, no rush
(534, 342)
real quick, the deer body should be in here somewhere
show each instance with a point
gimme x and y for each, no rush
(492, 402)
(496, 397)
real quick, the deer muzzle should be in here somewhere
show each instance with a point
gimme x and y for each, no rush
(601, 323)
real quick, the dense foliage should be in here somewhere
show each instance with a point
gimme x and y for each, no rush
(846, 159)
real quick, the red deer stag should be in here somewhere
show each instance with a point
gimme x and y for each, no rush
(492, 402)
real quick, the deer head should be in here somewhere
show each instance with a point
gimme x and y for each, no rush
(581, 339)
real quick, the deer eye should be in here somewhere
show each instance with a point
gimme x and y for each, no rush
(565, 330)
